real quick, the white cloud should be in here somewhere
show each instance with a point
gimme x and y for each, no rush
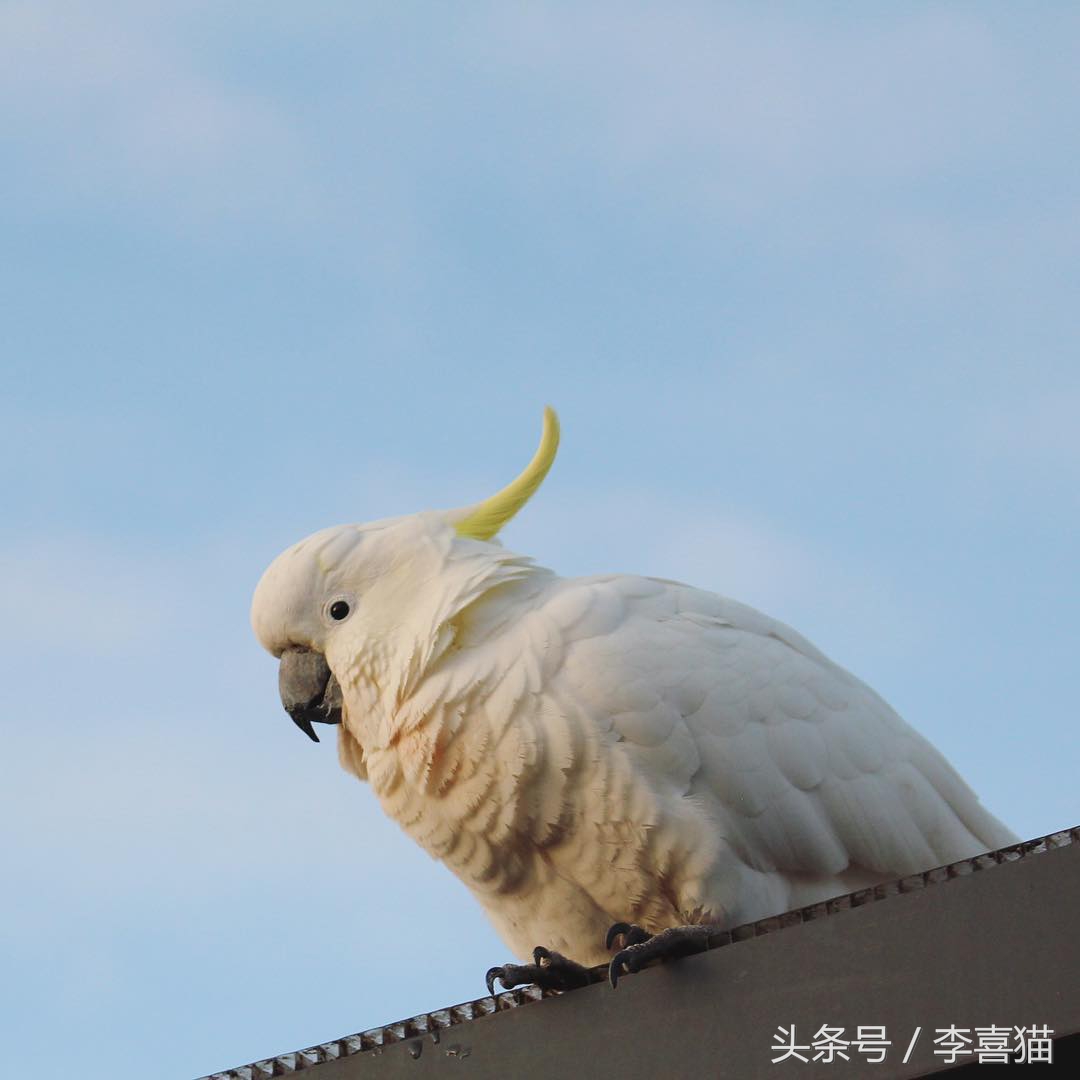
(734, 114)
(106, 98)
(52, 585)
(909, 138)
(759, 99)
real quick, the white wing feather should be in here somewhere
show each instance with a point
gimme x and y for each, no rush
(807, 781)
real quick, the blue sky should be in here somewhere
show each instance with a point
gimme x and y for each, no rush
(800, 279)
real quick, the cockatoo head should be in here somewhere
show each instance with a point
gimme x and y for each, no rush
(356, 592)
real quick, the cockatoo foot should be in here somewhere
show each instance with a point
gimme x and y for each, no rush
(640, 947)
(549, 970)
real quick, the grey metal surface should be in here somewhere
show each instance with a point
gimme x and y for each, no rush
(953, 947)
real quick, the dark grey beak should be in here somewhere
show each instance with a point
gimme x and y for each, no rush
(309, 691)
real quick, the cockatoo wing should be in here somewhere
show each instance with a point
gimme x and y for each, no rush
(810, 778)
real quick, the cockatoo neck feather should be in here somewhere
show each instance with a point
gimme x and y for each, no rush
(409, 618)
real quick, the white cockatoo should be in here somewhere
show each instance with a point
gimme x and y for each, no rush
(602, 750)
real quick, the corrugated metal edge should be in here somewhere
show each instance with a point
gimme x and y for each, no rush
(435, 1022)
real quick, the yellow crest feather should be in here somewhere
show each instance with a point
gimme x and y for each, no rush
(483, 521)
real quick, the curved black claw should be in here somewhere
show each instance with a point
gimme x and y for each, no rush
(667, 945)
(631, 933)
(549, 970)
(624, 958)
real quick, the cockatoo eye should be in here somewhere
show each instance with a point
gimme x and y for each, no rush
(338, 609)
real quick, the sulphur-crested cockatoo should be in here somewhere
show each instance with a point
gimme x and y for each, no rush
(603, 750)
